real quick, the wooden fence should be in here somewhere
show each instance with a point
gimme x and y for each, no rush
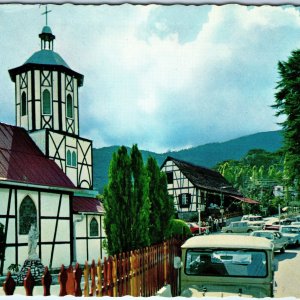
(138, 273)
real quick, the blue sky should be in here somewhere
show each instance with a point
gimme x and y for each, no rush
(164, 77)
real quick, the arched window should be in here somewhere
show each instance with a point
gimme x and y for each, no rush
(23, 104)
(46, 103)
(27, 215)
(69, 106)
(69, 158)
(94, 227)
(74, 159)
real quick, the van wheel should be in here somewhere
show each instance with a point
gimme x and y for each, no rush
(282, 250)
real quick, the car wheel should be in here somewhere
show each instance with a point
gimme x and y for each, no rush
(249, 230)
(282, 250)
(229, 231)
(297, 244)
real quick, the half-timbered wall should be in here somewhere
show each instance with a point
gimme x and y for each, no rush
(188, 197)
(89, 245)
(53, 220)
(180, 187)
(35, 84)
(72, 154)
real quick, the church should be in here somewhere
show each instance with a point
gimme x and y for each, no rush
(46, 167)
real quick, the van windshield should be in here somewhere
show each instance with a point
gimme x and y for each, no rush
(225, 263)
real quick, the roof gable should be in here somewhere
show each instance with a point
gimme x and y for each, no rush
(203, 177)
(22, 161)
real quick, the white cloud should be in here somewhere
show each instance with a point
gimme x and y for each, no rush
(163, 77)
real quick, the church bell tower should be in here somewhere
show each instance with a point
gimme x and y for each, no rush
(47, 106)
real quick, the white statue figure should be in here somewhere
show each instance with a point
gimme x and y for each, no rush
(33, 237)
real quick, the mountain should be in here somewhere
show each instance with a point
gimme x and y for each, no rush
(207, 155)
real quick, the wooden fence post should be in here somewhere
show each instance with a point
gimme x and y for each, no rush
(62, 279)
(46, 282)
(105, 277)
(77, 276)
(128, 272)
(114, 276)
(109, 276)
(9, 285)
(70, 285)
(131, 259)
(93, 272)
(29, 283)
(99, 282)
(86, 279)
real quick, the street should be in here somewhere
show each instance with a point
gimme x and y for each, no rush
(288, 274)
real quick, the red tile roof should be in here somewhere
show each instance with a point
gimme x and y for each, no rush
(22, 161)
(247, 200)
(85, 204)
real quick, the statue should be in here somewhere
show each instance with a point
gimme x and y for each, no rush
(33, 261)
(33, 237)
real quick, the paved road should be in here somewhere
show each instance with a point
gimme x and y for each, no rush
(288, 274)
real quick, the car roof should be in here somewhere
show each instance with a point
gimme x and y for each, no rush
(265, 231)
(228, 241)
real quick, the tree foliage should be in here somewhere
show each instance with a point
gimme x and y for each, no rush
(162, 205)
(140, 205)
(255, 176)
(287, 103)
(179, 227)
(117, 200)
(136, 201)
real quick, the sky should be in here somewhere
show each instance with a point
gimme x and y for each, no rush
(163, 77)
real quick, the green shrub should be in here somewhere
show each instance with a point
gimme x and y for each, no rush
(180, 228)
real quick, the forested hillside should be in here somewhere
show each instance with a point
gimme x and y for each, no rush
(208, 155)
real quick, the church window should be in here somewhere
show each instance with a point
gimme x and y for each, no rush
(94, 227)
(23, 104)
(69, 107)
(69, 158)
(74, 159)
(46, 103)
(28, 215)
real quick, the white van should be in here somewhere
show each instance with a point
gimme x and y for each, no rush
(227, 265)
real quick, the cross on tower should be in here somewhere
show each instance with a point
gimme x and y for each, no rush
(46, 13)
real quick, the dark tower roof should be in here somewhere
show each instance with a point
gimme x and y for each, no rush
(46, 58)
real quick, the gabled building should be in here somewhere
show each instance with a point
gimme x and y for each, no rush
(195, 187)
(46, 168)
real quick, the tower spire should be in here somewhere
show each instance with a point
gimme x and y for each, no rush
(46, 12)
(46, 36)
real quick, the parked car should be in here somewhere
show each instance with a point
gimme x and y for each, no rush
(253, 220)
(274, 224)
(240, 227)
(292, 233)
(279, 241)
(194, 227)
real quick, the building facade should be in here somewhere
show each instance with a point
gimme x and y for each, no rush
(46, 167)
(197, 188)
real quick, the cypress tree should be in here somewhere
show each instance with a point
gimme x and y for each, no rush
(140, 205)
(162, 205)
(117, 201)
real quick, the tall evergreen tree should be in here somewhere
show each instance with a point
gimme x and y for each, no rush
(287, 103)
(162, 205)
(117, 201)
(140, 205)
